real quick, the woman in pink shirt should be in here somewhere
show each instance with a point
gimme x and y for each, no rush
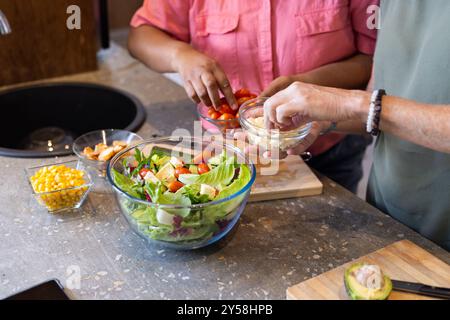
(263, 45)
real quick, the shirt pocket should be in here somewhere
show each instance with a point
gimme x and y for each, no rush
(323, 36)
(216, 36)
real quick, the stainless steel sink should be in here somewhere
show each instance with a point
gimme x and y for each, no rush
(43, 120)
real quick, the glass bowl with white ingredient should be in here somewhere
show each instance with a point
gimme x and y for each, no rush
(251, 118)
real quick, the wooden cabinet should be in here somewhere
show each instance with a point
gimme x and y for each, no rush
(121, 12)
(41, 46)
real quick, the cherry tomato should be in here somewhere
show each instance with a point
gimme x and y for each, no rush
(242, 93)
(243, 100)
(226, 116)
(211, 110)
(225, 108)
(174, 186)
(181, 170)
(202, 168)
(215, 115)
(143, 172)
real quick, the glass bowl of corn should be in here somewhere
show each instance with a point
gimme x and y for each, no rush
(60, 186)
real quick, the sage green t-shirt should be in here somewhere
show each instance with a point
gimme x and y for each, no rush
(412, 60)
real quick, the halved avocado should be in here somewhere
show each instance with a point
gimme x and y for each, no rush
(356, 291)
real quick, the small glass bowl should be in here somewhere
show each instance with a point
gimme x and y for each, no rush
(218, 126)
(62, 199)
(107, 136)
(270, 140)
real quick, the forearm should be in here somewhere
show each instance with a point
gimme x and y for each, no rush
(156, 49)
(422, 124)
(353, 73)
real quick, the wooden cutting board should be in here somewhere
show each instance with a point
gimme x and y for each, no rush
(402, 260)
(293, 179)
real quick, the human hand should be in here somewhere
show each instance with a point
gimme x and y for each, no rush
(301, 103)
(203, 78)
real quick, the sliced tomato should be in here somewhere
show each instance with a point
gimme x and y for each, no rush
(181, 170)
(226, 116)
(202, 168)
(243, 100)
(215, 115)
(211, 110)
(174, 186)
(242, 93)
(143, 172)
(225, 108)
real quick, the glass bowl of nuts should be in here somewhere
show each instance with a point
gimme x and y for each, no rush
(59, 187)
(96, 148)
(251, 117)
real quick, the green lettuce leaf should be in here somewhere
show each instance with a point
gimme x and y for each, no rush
(188, 178)
(192, 191)
(127, 184)
(220, 176)
(155, 192)
(239, 183)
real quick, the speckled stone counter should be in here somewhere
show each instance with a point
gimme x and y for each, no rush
(277, 244)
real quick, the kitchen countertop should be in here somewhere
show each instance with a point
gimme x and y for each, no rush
(277, 244)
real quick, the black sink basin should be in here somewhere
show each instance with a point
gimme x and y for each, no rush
(43, 120)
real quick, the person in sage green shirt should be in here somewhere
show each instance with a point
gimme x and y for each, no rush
(410, 178)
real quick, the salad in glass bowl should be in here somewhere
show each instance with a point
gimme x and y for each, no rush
(181, 192)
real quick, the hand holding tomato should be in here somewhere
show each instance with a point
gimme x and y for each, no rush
(203, 77)
(225, 112)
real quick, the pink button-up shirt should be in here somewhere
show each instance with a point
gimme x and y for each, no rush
(258, 41)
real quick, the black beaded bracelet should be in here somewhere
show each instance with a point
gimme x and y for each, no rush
(373, 119)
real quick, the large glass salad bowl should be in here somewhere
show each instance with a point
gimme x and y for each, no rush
(181, 192)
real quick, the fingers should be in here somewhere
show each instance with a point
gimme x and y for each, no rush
(288, 113)
(191, 92)
(225, 87)
(207, 89)
(212, 88)
(270, 113)
(202, 92)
